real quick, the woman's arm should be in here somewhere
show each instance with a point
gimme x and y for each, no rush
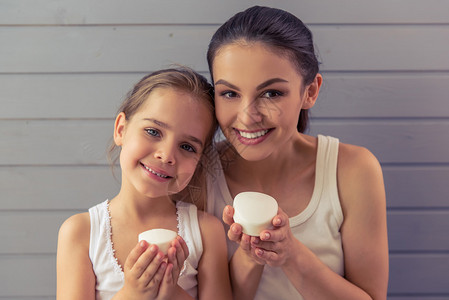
(245, 267)
(364, 237)
(75, 276)
(213, 274)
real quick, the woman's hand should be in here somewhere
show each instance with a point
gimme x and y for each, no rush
(275, 246)
(235, 233)
(272, 247)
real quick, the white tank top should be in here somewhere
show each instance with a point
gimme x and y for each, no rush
(109, 275)
(317, 227)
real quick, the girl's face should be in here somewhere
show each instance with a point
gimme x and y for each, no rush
(258, 98)
(162, 142)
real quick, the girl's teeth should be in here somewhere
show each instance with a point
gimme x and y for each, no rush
(253, 135)
(155, 173)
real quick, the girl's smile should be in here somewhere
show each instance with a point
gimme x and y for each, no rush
(162, 142)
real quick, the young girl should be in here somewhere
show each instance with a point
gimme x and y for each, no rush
(163, 127)
(330, 235)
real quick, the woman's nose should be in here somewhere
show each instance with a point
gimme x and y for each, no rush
(249, 113)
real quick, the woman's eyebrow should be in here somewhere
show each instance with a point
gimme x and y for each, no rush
(224, 82)
(269, 82)
(259, 87)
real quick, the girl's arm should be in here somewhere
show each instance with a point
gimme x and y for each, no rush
(213, 274)
(364, 237)
(75, 276)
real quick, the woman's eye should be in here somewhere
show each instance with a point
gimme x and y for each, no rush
(272, 94)
(152, 132)
(228, 94)
(188, 148)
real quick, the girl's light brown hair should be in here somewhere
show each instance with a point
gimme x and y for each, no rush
(188, 81)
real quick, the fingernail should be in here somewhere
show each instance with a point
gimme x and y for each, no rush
(266, 236)
(277, 221)
(259, 252)
(234, 229)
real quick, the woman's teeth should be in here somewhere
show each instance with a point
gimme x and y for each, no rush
(155, 173)
(253, 135)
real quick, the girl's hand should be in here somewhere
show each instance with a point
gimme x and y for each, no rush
(235, 233)
(177, 254)
(144, 270)
(275, 246)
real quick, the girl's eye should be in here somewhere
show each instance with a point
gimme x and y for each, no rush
(272, 94)
(188, 148)
(152, 132)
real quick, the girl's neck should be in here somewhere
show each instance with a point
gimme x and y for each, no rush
(142, 209)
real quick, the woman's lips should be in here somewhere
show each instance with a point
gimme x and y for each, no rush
(252, 137)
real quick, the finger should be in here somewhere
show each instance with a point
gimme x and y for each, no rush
(147, 261)
(276, 235)
(152, 268)
(269, 257)
(245, 242)
(156, 279)
(184, 246)
(281, 219)
(179, 256)
(228, 214)
(235, 232)
(135, 253)
(167, 281)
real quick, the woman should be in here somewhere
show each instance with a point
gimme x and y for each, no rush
(330, 236)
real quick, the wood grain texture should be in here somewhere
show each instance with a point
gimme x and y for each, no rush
(29, 49)
(343, 95)
(64, 12)
(65, 66)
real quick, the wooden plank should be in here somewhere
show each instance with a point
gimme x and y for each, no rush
(107, 48)
(29, 96)
(416, 186)
(409, 274)
(216, 11)
(55, 142)
(392, 141)
(34, 272)
(373, 95)
(415, 231)
(72, 187)
(418, 230)
(30, 232)
(419, 274)
(57, 188)
(74, 142)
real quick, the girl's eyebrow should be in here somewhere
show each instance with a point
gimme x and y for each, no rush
(191, 138)
(259, 87)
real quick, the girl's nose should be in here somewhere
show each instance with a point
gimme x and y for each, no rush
(249, 113)
(166, 154)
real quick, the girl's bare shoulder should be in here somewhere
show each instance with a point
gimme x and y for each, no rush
(76, 229)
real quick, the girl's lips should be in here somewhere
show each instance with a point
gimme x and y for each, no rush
(156, 173)
(253, 137)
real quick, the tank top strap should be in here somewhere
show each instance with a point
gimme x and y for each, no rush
(189, 229)
(327, 160)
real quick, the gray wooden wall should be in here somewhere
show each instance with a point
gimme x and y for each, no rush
(65, 66)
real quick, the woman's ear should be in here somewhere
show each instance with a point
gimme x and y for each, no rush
(119, 128)
(312, 91)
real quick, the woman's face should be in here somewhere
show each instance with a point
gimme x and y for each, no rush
(258, 98)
